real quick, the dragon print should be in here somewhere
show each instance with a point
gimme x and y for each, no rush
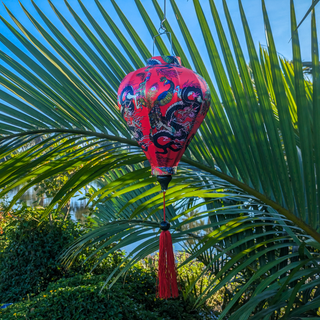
(127, 110)
(178, 121)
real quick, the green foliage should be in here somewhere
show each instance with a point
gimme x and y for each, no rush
(247, 252)
(5, 217)
(191, 286)
(79, 297)
(31, 276)
(255, 161)
(49, 187)
(30, 251)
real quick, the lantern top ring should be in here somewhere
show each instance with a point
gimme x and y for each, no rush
(164, 60)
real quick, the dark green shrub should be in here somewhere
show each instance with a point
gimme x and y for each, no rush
(28, 259)
(31, 276)
(140, 285)
(80, 302)
(79, 298)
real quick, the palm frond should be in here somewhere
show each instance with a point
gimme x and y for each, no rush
(254, 163)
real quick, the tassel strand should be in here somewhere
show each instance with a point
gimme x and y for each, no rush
(167, 275)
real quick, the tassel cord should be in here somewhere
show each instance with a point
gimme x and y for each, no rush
(164, 205)
(167, 287)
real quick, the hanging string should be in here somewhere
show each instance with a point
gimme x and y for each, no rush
(162, 30)
(164, 205)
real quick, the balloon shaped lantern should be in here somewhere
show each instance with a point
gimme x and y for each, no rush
(163, 105)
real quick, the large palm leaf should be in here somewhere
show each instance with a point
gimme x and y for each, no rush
(258, 145)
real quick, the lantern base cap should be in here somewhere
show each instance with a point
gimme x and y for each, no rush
(164, 181)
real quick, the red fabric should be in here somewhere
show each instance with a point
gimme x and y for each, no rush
(167, 286)
(163, 105)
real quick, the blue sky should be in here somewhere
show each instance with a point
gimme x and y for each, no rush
(279, 14)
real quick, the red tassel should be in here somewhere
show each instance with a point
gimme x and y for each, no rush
(167, 287)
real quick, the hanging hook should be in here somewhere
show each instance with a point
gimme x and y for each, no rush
(162, 30)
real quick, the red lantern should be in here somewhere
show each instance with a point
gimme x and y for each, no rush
(164, 105)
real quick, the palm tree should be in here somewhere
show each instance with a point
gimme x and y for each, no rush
(253, 164)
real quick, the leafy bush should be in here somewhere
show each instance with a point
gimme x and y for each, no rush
(78, 298)
(5, 219)
(28, 260)
(31, 276)
(190, 289)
